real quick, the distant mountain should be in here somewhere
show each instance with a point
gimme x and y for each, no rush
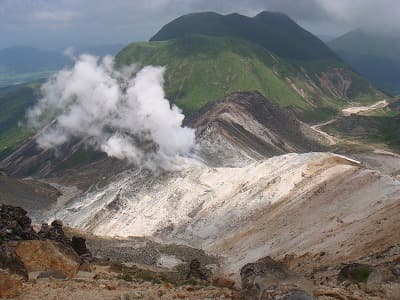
(23, 64)
(376, 56)
(101, 50)
(274, 31)
(21, 59)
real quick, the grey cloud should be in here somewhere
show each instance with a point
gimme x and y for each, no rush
(66, 22)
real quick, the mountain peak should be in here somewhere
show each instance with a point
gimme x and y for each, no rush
(274, 31)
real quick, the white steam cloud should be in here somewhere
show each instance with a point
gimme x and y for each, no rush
(121, 112)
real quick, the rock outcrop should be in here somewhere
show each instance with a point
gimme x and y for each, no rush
(355, 272)
(268, 279)
(54, 232)
(23, 254)
(15, 224)
(47, 255)
(196, 271)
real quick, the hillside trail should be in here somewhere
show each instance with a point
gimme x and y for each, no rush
(346, 112)
(330, 138)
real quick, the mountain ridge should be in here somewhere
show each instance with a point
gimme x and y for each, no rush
(274, 31)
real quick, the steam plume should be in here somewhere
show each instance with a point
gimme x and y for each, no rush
(125, 115)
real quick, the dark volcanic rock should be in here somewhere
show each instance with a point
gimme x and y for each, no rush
(10, 261)
(355, 272)
(268, 279)
(196, 271)
(56, 274)
(15, 224)
(79, 245)
(54, 232)
(285, 293)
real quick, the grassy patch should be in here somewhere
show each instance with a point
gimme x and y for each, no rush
(14, 102)
(369, 129)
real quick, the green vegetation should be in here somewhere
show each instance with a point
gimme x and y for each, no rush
(125, 276)
(14, 102)
(79, 158)
(377, 129)
(202, 68)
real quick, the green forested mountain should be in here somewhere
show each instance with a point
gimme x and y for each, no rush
(203, 68)
(208, 55)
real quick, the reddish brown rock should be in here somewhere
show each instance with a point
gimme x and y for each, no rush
(223, 282)
(181, 295)
(48, 255)
(10, 285)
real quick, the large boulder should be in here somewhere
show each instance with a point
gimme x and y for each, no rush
(269, 279)
(39, 256)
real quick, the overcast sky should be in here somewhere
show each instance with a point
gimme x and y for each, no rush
(62, 23)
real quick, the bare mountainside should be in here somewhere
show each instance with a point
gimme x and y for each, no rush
(245, 127)
(235, 130)
(295, 203)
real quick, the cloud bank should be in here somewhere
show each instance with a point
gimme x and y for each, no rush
(59, 24)
(121, 112)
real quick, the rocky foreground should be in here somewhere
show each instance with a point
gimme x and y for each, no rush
(48, 263)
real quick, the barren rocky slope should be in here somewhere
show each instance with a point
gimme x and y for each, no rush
(245, 127)
(294, 203)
